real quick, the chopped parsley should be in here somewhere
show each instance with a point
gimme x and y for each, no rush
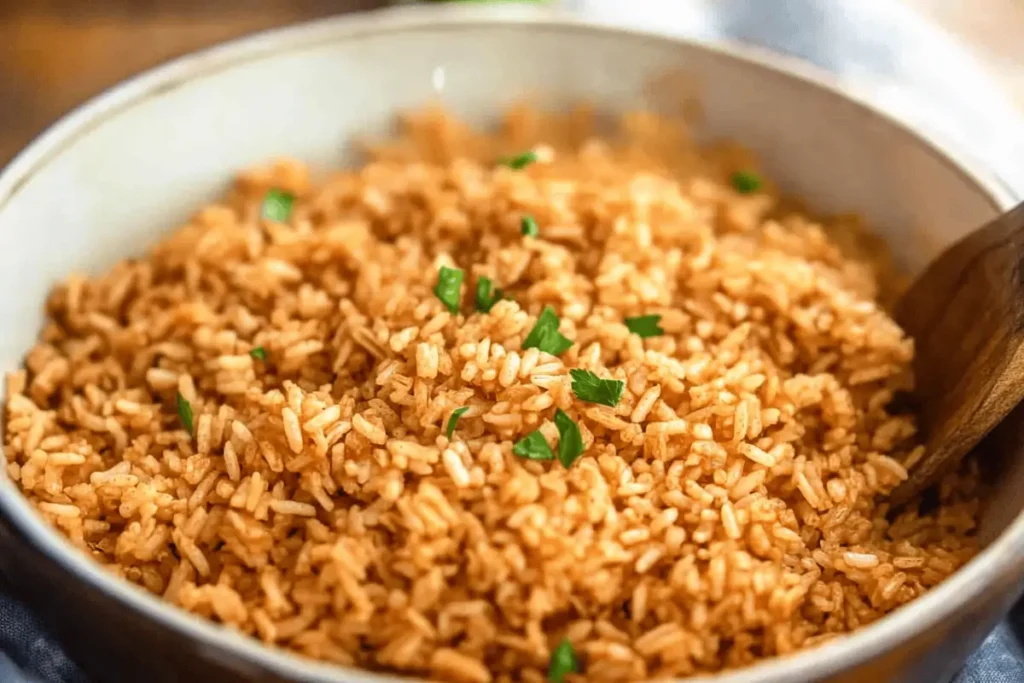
(486, 295)
(545, 335)
(645, 326)
(570, 441)
(259, 353)
(185, 413)
(519, 161)
(449, 284)
(529, 226)
(454, 420)
(277, 205)
(563, 661)
(589, 387)
(533, 447)
(746, 182)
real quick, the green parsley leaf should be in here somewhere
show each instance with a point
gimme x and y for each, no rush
(486, 295)
(454, 420)
(570, 441)
(589, 387)
(185, 413)
(449, 283)
(259, 353)
(645, 326)
(519, 161)
(563, 661)
(529, 226)
(277, 205)
(533, 447)
(746, 182)
(545, 335)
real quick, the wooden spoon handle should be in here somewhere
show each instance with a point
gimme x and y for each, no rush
(966, 315)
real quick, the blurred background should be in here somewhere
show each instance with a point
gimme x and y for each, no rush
(56, 53)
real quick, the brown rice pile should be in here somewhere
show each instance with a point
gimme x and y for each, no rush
(727, 509)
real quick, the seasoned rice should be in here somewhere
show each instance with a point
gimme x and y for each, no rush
(730, 507)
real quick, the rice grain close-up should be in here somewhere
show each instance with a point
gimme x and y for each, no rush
(543, 404)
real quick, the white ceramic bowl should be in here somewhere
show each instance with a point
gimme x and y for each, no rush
(103, 183)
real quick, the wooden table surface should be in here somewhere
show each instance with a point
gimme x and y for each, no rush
(56, 53)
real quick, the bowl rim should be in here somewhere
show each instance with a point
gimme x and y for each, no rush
(967, 585)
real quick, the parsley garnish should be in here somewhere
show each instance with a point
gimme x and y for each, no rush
(563, 661)
(486, 295)
(533, 447)
(449, 283)
(746, 182)
(645, 326)
(454, 420)
(545, 335)
(185, 413)
(519, 161)
(259, 353)
(570, 441)
(589, 387)
(277, 205)
(529, 226)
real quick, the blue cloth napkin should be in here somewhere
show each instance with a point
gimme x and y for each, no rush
(1000, 659)
(29, 655)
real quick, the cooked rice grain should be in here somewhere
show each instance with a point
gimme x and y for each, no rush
(729, 508)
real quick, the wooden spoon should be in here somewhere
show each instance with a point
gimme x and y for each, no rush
(966, 315)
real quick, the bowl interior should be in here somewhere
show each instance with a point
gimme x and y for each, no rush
(106, 182)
